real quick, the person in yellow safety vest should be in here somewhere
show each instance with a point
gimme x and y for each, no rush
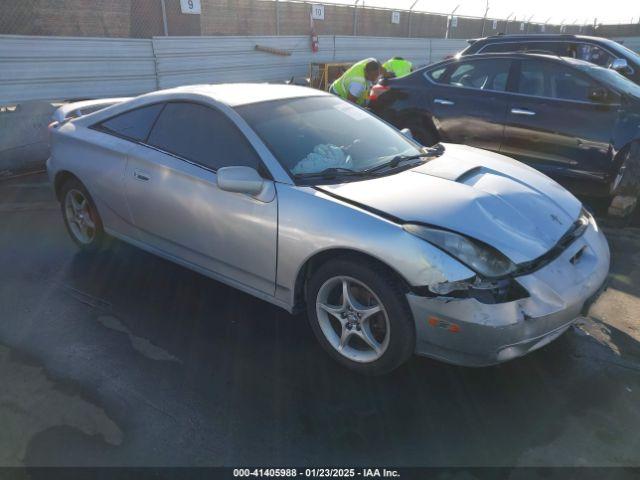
(355, 84)
(398, 66)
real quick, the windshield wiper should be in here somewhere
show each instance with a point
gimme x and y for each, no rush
(395, 161)
(331, 172)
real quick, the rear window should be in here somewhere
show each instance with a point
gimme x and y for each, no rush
(134, 124)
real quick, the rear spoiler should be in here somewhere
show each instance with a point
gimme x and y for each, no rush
(78, 109)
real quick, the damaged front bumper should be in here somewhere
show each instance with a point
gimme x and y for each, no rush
(465, 331)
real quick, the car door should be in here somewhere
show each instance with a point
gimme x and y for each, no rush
(178, 209)
(114, 138)
(468, 103)
(554, 125)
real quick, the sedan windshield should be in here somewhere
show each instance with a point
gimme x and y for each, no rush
(613, 79)
(624, 51)
(312, 135)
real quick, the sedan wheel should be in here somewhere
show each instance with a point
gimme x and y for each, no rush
(353, 319)
(78, 217)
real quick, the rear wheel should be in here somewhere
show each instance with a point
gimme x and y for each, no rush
(81, 216)
(625, 187)
(360, 316)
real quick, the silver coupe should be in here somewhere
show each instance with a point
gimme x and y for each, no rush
(309, 202)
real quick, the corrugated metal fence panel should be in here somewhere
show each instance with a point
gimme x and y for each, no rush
(48, 68)
(441, 48)
(632, 43)
(51, 68)
(349, 48)
(192, 60)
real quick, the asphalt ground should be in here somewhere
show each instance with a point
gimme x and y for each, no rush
(125, 359)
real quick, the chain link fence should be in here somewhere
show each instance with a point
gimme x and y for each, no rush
(149, 18)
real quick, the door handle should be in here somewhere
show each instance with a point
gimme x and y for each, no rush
(442, 101)
(522, 111)
(140, 175)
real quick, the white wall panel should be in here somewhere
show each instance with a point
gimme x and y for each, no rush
(51, 68)
(65, 68)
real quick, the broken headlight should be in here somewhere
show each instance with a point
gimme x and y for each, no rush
(481, 258)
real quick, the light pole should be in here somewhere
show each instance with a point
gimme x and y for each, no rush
(410, 12)
(484, 19)
(506, 23)
(449, 19)
(355, 18)
(528, 23)
(164, 18)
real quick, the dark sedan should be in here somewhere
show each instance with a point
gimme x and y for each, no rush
(574, 121)
(601, 51)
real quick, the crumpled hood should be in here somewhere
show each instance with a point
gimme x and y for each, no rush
(481, 194)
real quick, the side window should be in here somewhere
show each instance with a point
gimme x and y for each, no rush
(134, 124)
(437, 74)
(502, 47)
(594, 54)
(549, 48)
(203, 135)
(481, 75)
(546, 79)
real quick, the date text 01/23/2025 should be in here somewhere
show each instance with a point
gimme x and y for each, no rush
(315, 473)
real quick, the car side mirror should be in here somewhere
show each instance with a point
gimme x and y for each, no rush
(620, 65)
(598, 95)
(240, 180)
(407, 133)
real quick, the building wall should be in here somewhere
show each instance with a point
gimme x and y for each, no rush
(143, 19)
(86, 18)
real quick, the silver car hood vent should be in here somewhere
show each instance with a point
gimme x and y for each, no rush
(486, 196)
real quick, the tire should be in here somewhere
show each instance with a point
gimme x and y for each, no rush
(339, 330)
(625, 187)
(426, 136)
(81, 217)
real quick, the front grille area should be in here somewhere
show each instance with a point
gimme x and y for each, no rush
(575, 231)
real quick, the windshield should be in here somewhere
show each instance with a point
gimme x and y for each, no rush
(624, 51)
(313, 134)
(612, 78)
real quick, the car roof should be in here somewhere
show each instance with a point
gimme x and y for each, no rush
(522, 55)
(541, 36)
(236, 94)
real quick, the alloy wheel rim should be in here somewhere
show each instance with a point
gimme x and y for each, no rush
(353, 319)
(76, 208)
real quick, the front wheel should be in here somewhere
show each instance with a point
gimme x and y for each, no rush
(360, 316)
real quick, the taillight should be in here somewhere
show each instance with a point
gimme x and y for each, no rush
(376, 91)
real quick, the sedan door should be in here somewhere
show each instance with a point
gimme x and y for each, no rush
(554, 125)
(178, 208)
(469, 103)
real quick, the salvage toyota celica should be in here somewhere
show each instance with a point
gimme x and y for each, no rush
(309, 202)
